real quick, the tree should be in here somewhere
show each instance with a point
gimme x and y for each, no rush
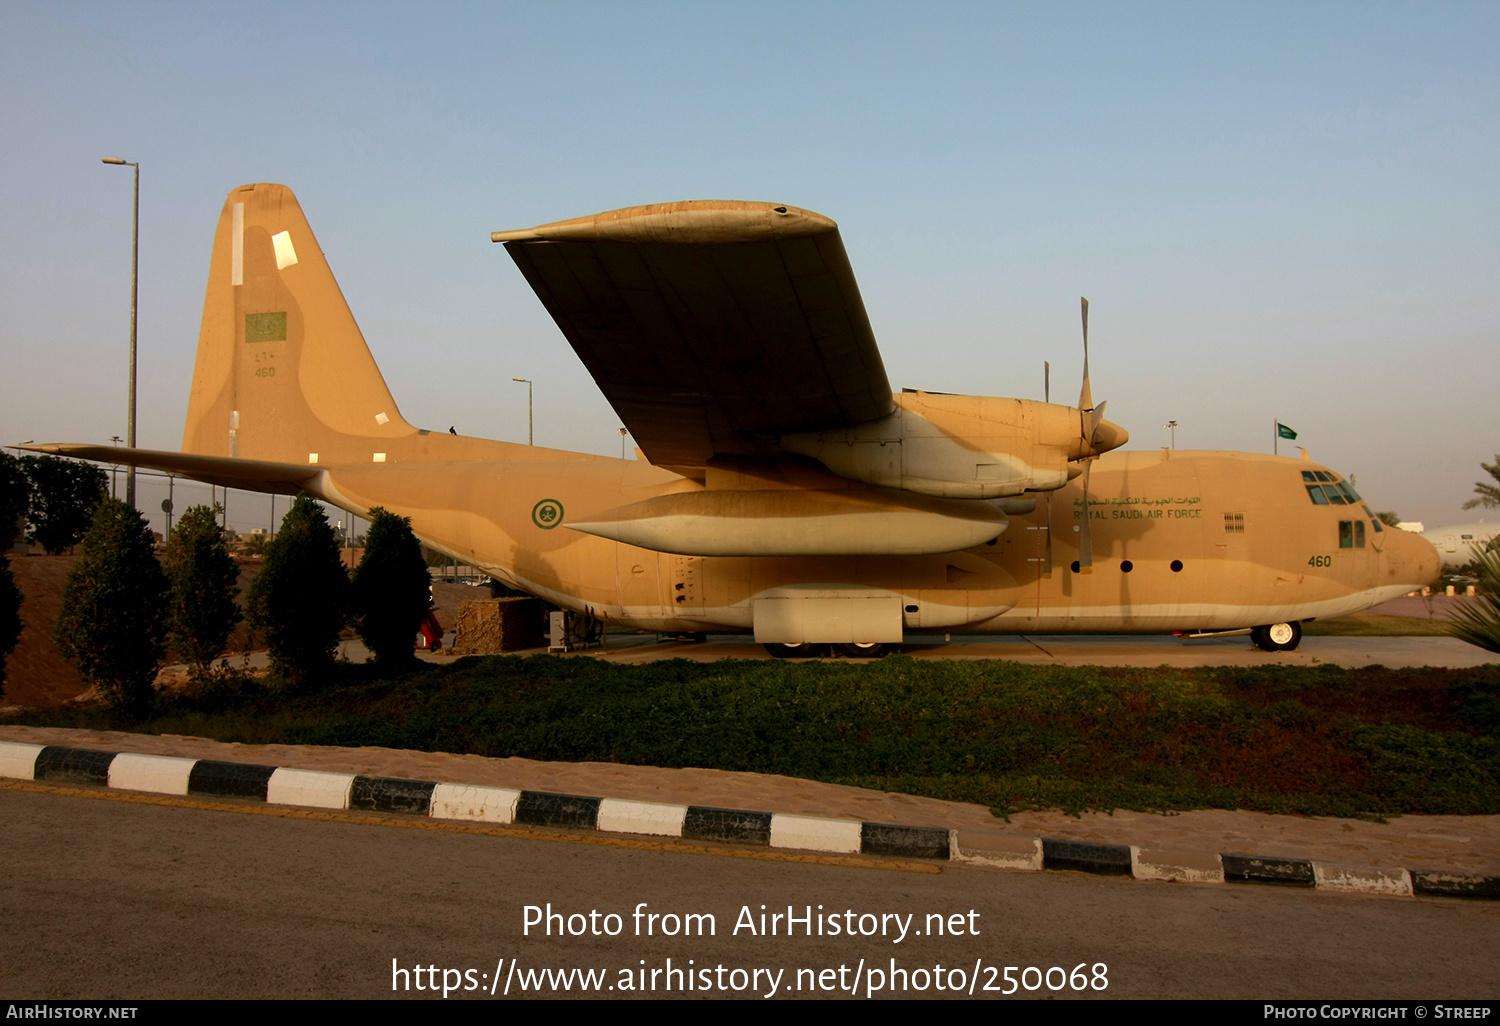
(203, 576)
(1390, 518)
(1487, 495)
(64, 494)
(391, 588)
(299, 598)
(10, 616)
(15, 495)
(113, 618)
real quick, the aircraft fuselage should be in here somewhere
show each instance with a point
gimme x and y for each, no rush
(1181, 541)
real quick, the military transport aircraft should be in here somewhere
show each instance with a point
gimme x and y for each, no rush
(784, 489)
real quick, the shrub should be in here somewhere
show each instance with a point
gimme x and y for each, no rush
(113, 618)
(391, 588)
(299, 599)
(203, 576)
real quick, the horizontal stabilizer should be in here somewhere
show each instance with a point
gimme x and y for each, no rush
(227, 472)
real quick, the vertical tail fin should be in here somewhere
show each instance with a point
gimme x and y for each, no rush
(283, 372)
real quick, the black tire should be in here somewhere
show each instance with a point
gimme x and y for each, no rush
(868, 650)
(1259, 640)
(799, 650)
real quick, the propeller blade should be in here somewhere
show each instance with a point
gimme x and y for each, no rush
(1085, 538)
(1047, 551)
(1094, 418)
(1086, 396)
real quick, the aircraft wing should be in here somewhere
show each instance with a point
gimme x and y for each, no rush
(225, 471)
(713, 327)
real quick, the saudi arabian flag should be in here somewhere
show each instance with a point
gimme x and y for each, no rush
(1282, 431)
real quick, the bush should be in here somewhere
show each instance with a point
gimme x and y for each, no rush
(204, 580)
(10, 616)
(113, 618)
(391, 588)
(299, 599)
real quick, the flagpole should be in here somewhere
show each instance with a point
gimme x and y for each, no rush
(1276, 437)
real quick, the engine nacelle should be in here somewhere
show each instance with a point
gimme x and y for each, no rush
(961, 446)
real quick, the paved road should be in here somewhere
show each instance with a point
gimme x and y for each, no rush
(108, 899)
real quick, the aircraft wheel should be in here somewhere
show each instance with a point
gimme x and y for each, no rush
(1277, 637)
(1284, 637)
(795, 650)
(863, 650)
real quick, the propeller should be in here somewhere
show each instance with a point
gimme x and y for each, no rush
(1047, 549)
(1090, 418)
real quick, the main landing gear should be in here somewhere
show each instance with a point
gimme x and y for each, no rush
(1277, 637)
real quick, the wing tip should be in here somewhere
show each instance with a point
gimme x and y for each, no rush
(693, 222)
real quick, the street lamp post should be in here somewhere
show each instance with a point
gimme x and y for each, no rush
(135, 255)
(527, 383)
(1172, 426)
(114, 471)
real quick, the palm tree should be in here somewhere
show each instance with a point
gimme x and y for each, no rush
(1487, 495)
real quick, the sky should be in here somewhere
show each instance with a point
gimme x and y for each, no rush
(1277, 211)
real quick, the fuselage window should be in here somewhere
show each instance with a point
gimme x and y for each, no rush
(1359, 534)
(1315, 493)
(1322, 476)
(1334, 495)
(1346, 534)
(1308, 475)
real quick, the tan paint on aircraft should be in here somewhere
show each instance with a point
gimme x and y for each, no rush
(269, 392)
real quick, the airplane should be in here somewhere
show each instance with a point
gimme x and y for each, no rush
(1458, 544)
(782, 488)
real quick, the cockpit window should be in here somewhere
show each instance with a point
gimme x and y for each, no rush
(1333, 493)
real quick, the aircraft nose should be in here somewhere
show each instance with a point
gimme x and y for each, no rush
(1411, 559)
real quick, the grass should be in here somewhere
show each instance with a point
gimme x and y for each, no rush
(1369, 742)
(1378, 625)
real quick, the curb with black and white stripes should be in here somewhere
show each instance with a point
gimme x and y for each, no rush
(280, 785)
